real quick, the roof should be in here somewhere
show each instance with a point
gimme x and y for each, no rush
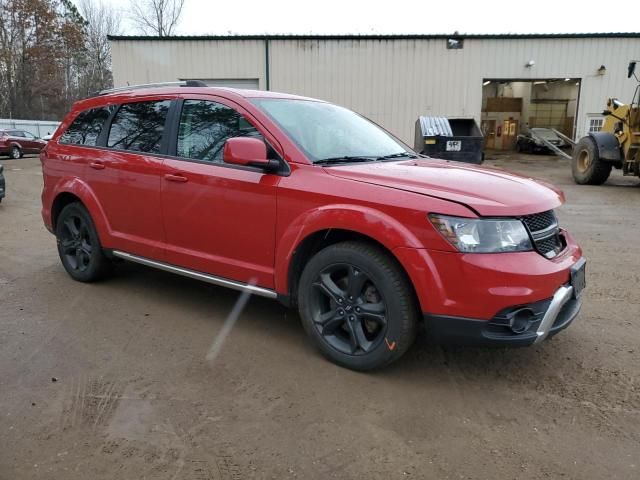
(123, 94)
(473, 36)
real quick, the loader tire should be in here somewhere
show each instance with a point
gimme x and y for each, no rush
(586, 165)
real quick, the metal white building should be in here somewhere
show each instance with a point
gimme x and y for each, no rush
(391, 79)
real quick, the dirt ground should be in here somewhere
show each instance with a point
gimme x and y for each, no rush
(110, 380)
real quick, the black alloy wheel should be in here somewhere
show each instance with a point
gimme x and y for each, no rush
(75, 243)
(348, 310)
(79, 246)
(357, 305)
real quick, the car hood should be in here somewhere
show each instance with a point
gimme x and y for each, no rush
(487, 191)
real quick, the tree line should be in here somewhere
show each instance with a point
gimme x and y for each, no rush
(54, 52)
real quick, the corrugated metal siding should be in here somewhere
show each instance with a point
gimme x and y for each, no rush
(152, 61)
(392, 81)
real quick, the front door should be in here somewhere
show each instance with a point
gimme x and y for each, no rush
(218, 218)
(489, 131)
(30, 144)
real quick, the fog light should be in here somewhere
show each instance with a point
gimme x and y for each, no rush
(520, 320)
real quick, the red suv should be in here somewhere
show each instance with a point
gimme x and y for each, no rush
(15, 143)
(310, 203)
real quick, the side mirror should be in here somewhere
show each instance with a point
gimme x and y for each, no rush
(631, 69)
(245, 151)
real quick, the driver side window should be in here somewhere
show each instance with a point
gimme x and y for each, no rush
(204, 128)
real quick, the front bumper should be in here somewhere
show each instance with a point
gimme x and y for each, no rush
(544, 319)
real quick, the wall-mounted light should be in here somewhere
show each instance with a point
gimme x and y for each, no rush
(602, 70)
(530, 63)
(541, 82)
(567, 79)
(486, 83)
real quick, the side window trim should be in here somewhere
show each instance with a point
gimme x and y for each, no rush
(106, 128)
(175, 115)
(171, 133)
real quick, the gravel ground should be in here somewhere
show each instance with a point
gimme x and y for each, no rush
(110, 380)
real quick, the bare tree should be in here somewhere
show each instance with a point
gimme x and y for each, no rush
(156, 17)
(41, 47)
(102, 20)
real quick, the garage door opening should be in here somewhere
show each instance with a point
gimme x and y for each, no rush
(511, 108)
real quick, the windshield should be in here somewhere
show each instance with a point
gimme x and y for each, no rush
(325, 131)
(545, 133)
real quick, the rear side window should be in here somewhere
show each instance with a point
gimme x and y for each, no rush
(205, 126)
(86, 128)
(139, 126)
(16, 133)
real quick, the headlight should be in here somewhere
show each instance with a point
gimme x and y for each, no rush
(471, 235)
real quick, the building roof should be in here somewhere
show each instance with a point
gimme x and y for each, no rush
(473, 36)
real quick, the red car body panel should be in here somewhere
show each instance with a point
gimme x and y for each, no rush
(489, 192)
(238, 208)
(247, 225)
(491, 283)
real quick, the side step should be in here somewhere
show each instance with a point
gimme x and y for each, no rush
(205, 277)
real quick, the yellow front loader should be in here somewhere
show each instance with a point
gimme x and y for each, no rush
(616, 145)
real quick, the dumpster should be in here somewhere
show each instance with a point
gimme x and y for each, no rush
(457, 139)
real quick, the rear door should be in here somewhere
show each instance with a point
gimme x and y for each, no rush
(30, 143)
(125, 176)
(218, 218)
(17, 136)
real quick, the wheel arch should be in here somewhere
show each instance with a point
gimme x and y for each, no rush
(62, 200)
(608, 146)
(74, 190)
(321, 239)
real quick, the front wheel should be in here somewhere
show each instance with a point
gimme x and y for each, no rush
(78, 245)
(586, 166)
(357, 305)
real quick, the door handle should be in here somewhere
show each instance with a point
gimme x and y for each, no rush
(98, 165)
(172, 177)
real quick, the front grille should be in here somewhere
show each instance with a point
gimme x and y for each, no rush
(549, 245)
(540, 221)
(545, 233)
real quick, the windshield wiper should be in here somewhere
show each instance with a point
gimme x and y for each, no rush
(344, 159)
(398, 155)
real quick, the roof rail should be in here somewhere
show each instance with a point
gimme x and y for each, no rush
(184, 83)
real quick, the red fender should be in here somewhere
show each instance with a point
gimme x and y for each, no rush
(81, 190)
(370, 222)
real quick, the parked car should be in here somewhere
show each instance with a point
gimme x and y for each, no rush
(3, 183)
(15, 143)
(309, 203)
(530, 141)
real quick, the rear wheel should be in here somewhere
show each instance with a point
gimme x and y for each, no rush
(15, 153)
(357, 305)
(586, 166)
(78, 245)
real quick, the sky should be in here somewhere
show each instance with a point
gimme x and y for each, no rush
(201, 17)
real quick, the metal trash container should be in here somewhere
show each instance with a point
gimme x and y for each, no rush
(458, 139)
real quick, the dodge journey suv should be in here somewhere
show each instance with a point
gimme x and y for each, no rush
(311, 204)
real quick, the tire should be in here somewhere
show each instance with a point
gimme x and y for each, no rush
(79, 246)
(15, 153)
(586, 166)
(357, 306)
